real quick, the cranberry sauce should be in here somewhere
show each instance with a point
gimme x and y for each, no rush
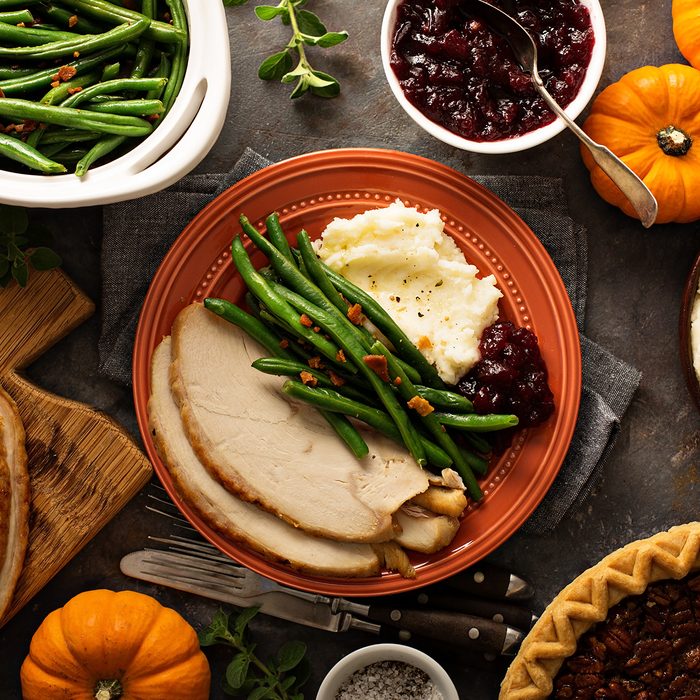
(462, 75)
(511, 376)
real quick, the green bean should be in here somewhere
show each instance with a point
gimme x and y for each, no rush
(112, 86)
(103, 147)
(381, 319)
(75, 118)
(357, 351)
(259, 286)
(42, 78)
(277, 237)
(179, 65)
(29, 37)
(144, 52)
(449, 400)
(17, 150)
(13, 3)
(17, 17)
(333, 401)
(71, 154)
(83, 43)
(105, 11)
(477, 464)
(13, 72)
(347, 432)
(408, 391)
(478, 424)
(163, 71)
(111, 71)
(292, 368)
(477, 442)
(66, 136)
(251, 325)
(64, 18)
(137, 108)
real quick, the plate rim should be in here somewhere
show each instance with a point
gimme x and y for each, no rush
(567, 329)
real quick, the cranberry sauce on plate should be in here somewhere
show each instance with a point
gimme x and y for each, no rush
(464, 76)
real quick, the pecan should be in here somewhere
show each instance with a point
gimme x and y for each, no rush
(617, 641)
(584, 664)
(694, 584)
(648, 655)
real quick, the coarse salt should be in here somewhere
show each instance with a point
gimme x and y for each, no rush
(389, 680)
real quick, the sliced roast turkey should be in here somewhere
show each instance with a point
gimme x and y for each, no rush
(14, 500)
(228, 515)
(275, 453)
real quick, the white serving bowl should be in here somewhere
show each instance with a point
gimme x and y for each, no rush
(518, 143)
(174, 148)
(385, 652)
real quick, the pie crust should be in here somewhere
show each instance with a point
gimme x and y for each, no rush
(586, 601)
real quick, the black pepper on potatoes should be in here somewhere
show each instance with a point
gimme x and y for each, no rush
(648, 648)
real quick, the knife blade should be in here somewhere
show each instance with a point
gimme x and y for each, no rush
(463, 631)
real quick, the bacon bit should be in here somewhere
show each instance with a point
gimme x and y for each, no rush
(340, 356)
(73, 90)
(336, 379)
(153, 118)
(378, 364)
(284, 343)
(424, 343)
(21, 24)
(55, 83)
(305, 321)
(65, 73)
(308, 378)
(317, 329)
(397, 381)
(72, 21)
(420, 406)
(76, 54)
(355, 314)
(316, 362)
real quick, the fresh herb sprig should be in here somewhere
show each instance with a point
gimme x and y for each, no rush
(307, 30)
(248, 676)
(23, 246)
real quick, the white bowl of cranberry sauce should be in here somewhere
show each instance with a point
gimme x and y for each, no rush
(459, 80)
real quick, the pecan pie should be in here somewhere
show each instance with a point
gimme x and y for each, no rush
(626, 629)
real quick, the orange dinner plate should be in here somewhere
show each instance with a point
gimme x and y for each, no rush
(308, 191)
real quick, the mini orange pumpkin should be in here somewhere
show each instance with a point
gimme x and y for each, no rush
(651, 119)
(103, 645)
(686, 29)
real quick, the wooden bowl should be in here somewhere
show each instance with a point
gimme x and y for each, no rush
(689, 296)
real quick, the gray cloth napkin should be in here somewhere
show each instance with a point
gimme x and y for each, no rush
(137, 235)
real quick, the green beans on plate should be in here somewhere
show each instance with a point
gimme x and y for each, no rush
(98, 55)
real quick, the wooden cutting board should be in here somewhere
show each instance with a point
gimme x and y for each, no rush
(83, 467)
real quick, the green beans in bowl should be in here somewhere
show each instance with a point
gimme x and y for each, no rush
(95, 84)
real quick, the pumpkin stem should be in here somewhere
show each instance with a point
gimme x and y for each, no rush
(673, 141)
(108, 690)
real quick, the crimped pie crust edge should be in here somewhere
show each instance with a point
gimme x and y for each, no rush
(586, 601)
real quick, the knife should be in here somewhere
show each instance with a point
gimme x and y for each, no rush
(464, 631)
(490, 581)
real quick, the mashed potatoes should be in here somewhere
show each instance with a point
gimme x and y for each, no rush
(418, 274)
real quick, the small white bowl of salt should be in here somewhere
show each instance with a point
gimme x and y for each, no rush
(387, 672)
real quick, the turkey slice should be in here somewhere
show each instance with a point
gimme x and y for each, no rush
(14, 500)
(423, 531)
(279, 454)
(229, 516)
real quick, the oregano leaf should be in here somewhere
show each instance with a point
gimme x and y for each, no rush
(274, 67)
(44, 259)
(237, 670)
(290, 655)
(268, 12)
(259, 694)
(301, 87)
(245, 616)
(330, 86)
(234, 3)
(20, 272)
(309, 23)
(331, 39)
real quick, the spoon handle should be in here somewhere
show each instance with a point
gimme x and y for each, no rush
(629, 183)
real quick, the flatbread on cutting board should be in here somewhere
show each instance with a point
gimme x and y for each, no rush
(14, 499)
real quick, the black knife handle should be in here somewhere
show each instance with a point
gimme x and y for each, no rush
(463, 631)
(498, 611)
(489, 581)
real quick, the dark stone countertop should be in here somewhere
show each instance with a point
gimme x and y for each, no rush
(652, 479)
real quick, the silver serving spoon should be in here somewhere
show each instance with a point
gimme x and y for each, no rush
(525, 51)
